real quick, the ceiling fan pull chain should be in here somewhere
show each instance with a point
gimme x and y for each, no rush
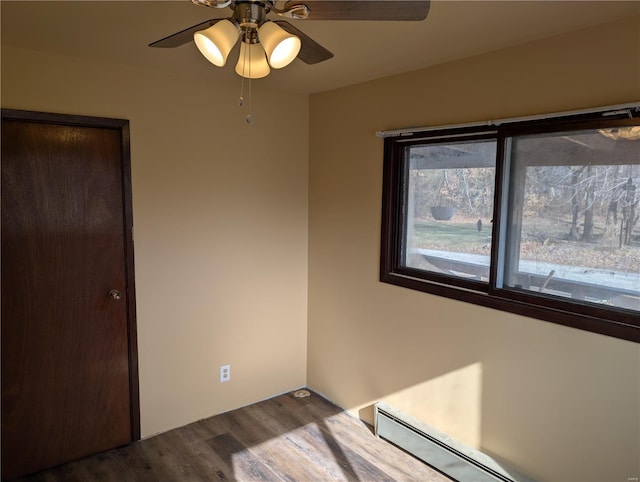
(250, 116)
(247, 66)
(244, 63)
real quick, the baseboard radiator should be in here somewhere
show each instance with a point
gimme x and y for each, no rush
(446, 455)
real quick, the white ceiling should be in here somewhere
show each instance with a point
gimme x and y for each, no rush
(119, 31)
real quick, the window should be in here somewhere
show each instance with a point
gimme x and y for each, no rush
(449, 205)
(539, 218)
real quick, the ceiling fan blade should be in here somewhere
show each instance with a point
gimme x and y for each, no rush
(365, 9)
(311, 52)
(184, 36)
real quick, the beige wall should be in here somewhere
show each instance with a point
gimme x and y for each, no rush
(218, 283)
(220, 216)
(559, 403)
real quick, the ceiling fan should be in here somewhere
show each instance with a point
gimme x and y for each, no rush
(276, 43)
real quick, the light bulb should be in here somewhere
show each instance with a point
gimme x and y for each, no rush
(216, 42)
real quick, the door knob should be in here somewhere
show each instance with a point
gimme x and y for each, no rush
(115, 295)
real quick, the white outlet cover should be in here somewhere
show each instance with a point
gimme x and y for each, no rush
(225, 373)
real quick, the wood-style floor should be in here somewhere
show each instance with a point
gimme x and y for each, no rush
(281, 439)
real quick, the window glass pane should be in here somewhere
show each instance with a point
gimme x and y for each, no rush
(449, 207)
(573, 226)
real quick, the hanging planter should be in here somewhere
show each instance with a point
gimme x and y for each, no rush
(442, 213)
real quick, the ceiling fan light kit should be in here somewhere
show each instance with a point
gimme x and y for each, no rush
(264, 43)
(283, 42)
(267, 44)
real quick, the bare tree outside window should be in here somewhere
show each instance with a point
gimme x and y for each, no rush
(572, 221)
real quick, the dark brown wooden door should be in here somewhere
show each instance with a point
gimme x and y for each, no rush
(69, 374)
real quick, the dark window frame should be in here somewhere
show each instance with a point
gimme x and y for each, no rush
(615, 322)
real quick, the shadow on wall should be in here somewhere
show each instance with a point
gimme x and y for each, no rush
(514, 399)
(454, 401)
(451, 403)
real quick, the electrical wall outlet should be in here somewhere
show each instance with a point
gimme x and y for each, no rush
(225, 373)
